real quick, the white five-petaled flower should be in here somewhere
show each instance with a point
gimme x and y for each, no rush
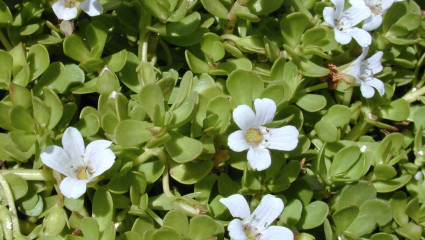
(256, 226)
(344, 22)
(258, 138)
(363, 71)
(80, 165)
(68, 9)
(378, 8)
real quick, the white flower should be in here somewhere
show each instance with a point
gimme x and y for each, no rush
(256, 225)
(363, 71)
(344, 22)
(68, 9)
(378, 8)
(257, 138)
(80, 165)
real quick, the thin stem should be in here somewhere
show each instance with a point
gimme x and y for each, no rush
(358, 130)
(154, 216)
(231, 16)
(146, 155)
(5, 41)
(315, 87)
(416, 73)
(165, 176)
(346, 99)
(12, 208)
(28, 174)
(414, 95)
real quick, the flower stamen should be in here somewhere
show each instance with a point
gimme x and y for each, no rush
(253, 136)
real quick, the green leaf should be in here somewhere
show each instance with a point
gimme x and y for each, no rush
(292, 212)
(313, 215)
(178, 220)
(196, 64)
(5, 15)
(204, 227)
(150, 98)
(379, 209)
(212, 47)
(338, 115)
(292, 27)
(20, 96)
(311, 102)
(398, 110)
(216, 8)
(90, 228)
(344, 217)
(6, 67)
(21, 119)
(244, 87)
(130, 133)
(183, 149)
(75, 48)
(326, 131)
(107, 82)
(17, 184)
(391, 185)
(362, 225)
(355, 194)
(103, 208)
(344, 160)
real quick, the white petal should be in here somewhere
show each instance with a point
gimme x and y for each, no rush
(358, 13)
(277, 233)
(98, 156)
(367, 91)
(259, 158)
(284, 138)
(264, 111)
(378, 85)
(267, 211)
(235, 229)
(237, 141)
(73, 187)
(56, 158)
(372, 22)
(342, 37)
(328, 15)
(374, 62)
(385, 5)
(101, 162)
(237, 205)
(73, 144)
(92, 7)
(339, 8)
(63, 12)
(362, 37)
(244, 117)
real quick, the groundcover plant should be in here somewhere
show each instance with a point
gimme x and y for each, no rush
(212, 119)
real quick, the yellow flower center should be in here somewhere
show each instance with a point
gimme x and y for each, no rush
(84, 173)
(253, 136)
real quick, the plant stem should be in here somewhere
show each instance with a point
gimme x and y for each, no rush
(346, 100)
(231, 16)
(12, 208)
(315, 87)
(149, 152)
(29, 174)
(414, 95)
(154, 216)
(5, 41)
(358, 130)
(416, 72)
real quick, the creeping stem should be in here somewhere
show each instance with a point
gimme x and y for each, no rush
(12, 208)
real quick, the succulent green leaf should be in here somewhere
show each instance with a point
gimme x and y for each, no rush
(183, 149)
(244, 87)
(129, 133)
